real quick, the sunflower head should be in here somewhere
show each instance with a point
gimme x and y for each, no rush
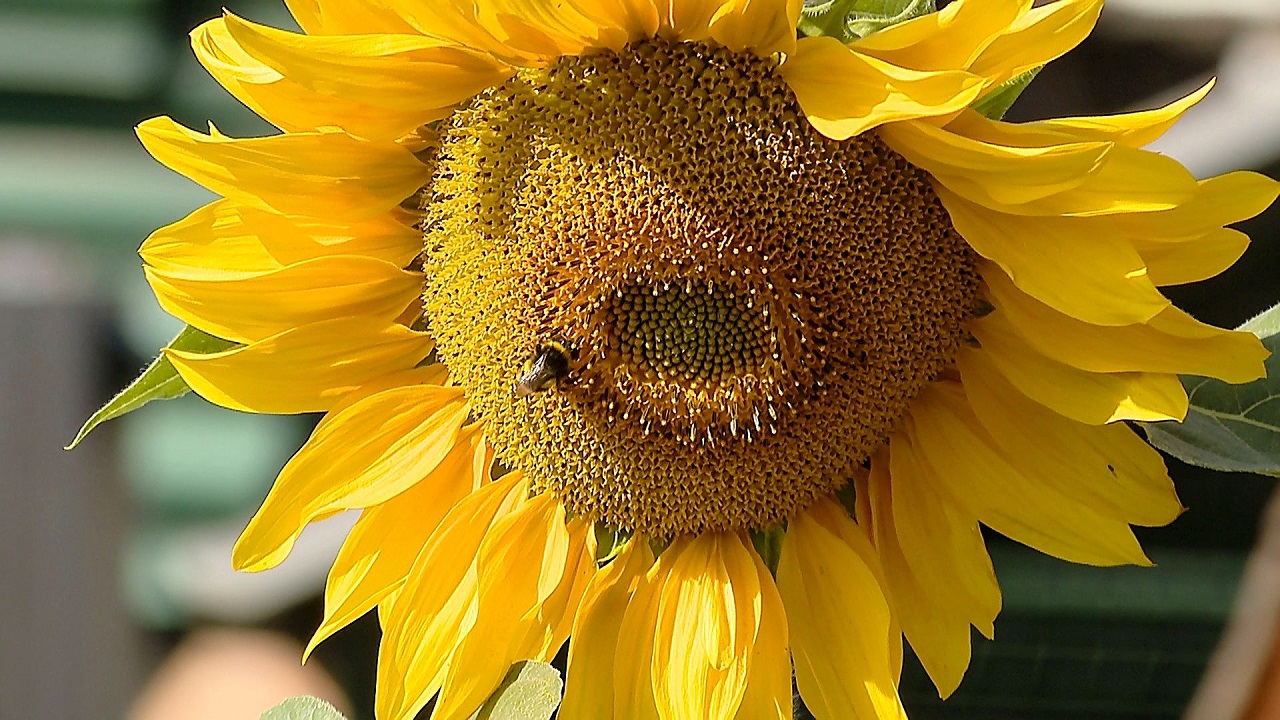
(751, 305)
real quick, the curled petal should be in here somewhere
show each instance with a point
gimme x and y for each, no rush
(844, 93)
(839, 625)
(435, 608)
(402, 74)
(1134, 129)
(950, 39)
(306, 369)
(1088, 397)
(256, 306)
(708, 618)
(1094, 278)
(1037, 37)
(227, 240)
(937, 551)
(1007, 493)
(1171, 342)
(1109, 468)
(1004, 174)
(406, 428)
(380, 550)
(322, 174)
(284, 102)
(593, 646)
(521, 563)
(1176, 263)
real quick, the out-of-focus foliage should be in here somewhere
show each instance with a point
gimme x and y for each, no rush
(1235, 428)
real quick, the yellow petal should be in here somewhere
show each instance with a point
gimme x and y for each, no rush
(283, 102)
(992, 173)
(550, 629)
(708, 617)
(1193, 260)
(839, 626)
(379, 551)
(1125, 180)
(1039, 36)
(1171, 342)
(1097, 279)
(957, 454)
(520, 564)
(950, 39)
(844, 93)
(834, 518)
(687, 20)
(225, 240)
(405, 432)
(1179, 244)
(768, 692)
(306, 369)
(254, 307)
(1134, 129)
(456, 22)
(1217, 201)
(934, 619)
(325, 174)
(762, 26)
(436, 605)
(410, 77)
(1087, 397)
(1128, 181)
(940, 541)
(549, 29)
(593, 646)
(1109, 468)
(638, 18)
(346, 17)
(633, 690)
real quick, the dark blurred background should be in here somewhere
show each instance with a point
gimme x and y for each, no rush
(112, 554)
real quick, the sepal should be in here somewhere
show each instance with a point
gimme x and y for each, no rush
(849, 20)
(159, 381)
(997, 101)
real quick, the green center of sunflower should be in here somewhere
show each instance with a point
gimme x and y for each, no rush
(681, 333)
(750, 307)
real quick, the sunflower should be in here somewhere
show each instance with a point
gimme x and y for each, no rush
(622, 311)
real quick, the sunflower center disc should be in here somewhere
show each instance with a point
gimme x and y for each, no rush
(685, 334)
(751, 305)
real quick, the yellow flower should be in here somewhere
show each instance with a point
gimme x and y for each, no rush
(597, 295)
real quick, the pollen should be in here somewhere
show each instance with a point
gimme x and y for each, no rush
(751, 307)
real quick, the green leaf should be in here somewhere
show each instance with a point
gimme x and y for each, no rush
(302, 708)
(997, 101)
(1234, 428)
(609, 541)
(848, 20)
(160, 381)
(531, 691)
(1264, 324)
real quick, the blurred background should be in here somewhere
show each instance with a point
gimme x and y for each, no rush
(116, 557)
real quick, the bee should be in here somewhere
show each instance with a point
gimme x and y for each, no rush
(545, 369)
